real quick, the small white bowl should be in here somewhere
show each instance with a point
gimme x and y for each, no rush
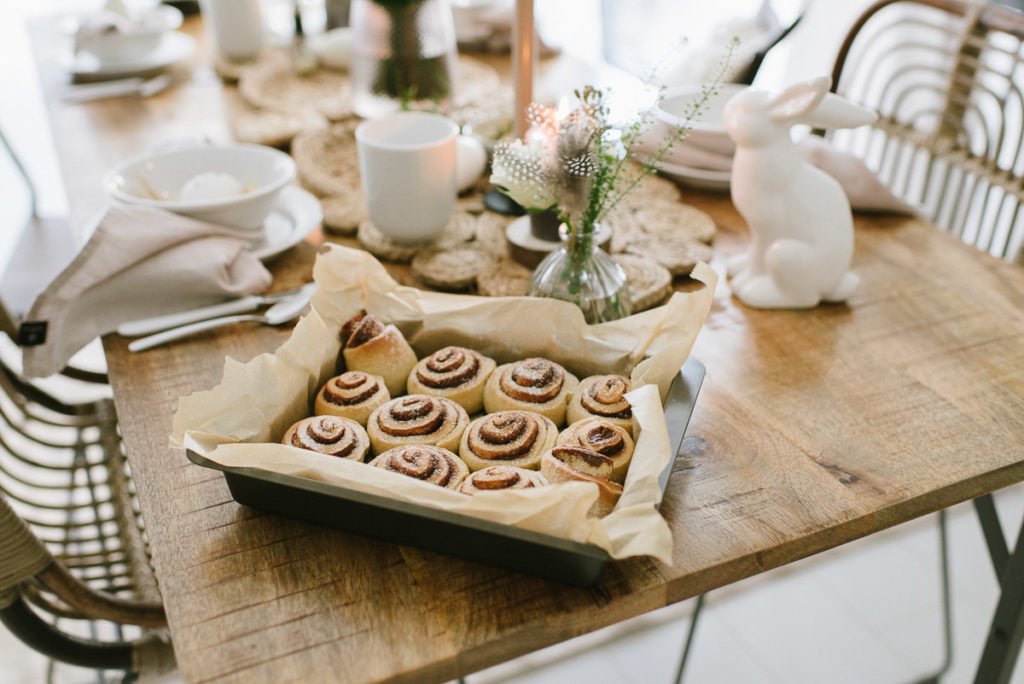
(708, 130)
(704, 179)
(156, 180)
(135, 39)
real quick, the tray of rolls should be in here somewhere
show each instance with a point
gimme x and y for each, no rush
(406, 430)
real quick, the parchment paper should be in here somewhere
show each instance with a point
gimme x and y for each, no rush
(238, 422)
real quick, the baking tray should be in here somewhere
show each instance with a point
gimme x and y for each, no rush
(488, 542)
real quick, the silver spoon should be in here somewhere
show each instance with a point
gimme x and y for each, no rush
(279, 314)
(154, 324)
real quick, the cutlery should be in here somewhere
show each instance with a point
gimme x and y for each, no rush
(125, 86)
(279, 314)
(148, 326)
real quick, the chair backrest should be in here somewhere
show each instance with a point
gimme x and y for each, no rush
(71, 542)
(946, 77)
(31, 254)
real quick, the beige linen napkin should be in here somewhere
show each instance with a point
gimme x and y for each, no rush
(862, 187)
(139, 262)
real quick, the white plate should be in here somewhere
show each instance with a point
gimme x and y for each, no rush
(519, 234)
(704, 179)
(174, 48)
(295, 214)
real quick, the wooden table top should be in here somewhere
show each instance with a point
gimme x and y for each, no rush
(812, 429)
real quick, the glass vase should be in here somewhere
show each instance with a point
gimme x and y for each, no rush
(403, 55)
(582, 273)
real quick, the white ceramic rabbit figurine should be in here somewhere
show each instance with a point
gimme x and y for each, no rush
(799, 217)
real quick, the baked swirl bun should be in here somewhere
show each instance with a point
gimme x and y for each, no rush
(569, 463)
(535, 384)
(604, 437)
(377, 349)
(498, 477)
(424, 462)
(455, 373)
(329, 435)
(353, 395)
(602, 396)
(417, 419)
(514, 438)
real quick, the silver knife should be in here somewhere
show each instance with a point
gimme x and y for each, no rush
(147, 326)
(117, 88)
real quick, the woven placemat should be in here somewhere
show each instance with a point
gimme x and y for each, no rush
(476, 242)
(231, 71)
(657, 232)
(653, 223)
(271, 83)
(276, 86)
(326, 159)
(475, 83)
(274, 129)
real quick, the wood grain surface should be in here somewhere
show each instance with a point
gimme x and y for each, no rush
(813, 429)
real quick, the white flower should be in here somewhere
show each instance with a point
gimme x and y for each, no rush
(523, 170)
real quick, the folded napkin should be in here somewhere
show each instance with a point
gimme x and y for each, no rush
(862, 187)
(139, 262)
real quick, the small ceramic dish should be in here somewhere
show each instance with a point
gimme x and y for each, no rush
(704, 179)
(707, 130)
(129, 39)
(156, 180)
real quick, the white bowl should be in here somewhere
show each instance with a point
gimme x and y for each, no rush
(708, 130)
(156, 180)
(136, 38)
(704, 179)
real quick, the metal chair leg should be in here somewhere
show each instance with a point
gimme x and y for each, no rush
(1006, 634)
(947, 606)
(689, 639)
(947, 615)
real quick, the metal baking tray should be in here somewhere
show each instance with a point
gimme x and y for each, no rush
(488, 542)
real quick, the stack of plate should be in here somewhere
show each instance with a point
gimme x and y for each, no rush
(112, 44)
(704, 158)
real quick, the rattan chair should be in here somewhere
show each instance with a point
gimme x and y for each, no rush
(946, 78)
(75, 577)
(74, 549)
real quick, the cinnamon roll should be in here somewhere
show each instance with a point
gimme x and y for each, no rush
(604, 437)
(536, 385)
(329, 435)
(514, 438)
(417, 419)
(424, 462)
(353, 395)
(569, 463)
(499, 477)
(602, 396)
(455, 373)
(377, 349)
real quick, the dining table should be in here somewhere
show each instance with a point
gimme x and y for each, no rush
(813, 428)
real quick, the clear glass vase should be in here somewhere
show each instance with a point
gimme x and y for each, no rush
(403, 55)
(582, 273)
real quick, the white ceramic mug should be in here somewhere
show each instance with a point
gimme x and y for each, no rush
(407, 161)
(236, 27)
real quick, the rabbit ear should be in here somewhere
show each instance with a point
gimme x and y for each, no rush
(837, 112)
(798, 99)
